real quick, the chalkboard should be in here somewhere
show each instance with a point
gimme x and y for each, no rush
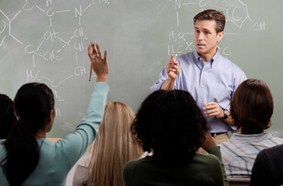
(46, 41)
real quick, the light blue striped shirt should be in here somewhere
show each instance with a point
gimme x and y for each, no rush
(239, 153)
(212, 81)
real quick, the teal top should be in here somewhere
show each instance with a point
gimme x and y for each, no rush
(203, 169)
(56, 159)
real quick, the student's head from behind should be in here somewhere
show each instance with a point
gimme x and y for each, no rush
(114, 146)
(171, 124)
(252, 106)
(7, 116)
(34, 107)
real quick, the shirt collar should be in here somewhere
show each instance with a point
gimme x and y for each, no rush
(214, 58)
(252, 137)
(200, 63)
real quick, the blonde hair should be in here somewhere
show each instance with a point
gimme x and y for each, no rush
(113, 147)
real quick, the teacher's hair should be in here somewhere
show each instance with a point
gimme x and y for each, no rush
(211, 14)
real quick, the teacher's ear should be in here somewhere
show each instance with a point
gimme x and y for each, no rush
(219, 36)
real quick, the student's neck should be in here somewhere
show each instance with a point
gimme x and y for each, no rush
(40, 134)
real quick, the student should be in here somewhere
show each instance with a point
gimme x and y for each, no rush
(171, 126)
(210, 77)
(267, 168)
(251, 108)
(114, 146)
(26, 157)
(7, 117)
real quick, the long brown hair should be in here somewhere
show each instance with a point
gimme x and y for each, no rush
(113, 147)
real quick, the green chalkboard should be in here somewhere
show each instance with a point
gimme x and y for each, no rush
(46, 41)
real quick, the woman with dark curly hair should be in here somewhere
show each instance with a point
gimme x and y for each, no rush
(171, 126)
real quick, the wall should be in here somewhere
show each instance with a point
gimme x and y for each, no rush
(46, 41)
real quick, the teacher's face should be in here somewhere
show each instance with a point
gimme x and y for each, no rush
(206, 38)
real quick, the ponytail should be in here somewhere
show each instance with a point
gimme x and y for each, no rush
(22, 155)
(33, 103)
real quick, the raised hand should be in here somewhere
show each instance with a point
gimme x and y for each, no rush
(99, 63)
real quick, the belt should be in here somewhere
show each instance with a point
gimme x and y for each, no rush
(217, 133)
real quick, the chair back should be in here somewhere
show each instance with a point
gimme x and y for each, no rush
(239, 181)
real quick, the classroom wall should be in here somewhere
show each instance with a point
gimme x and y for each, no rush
(46, 41)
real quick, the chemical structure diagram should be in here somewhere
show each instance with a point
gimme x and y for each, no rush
(59, 28)
(52, 42)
